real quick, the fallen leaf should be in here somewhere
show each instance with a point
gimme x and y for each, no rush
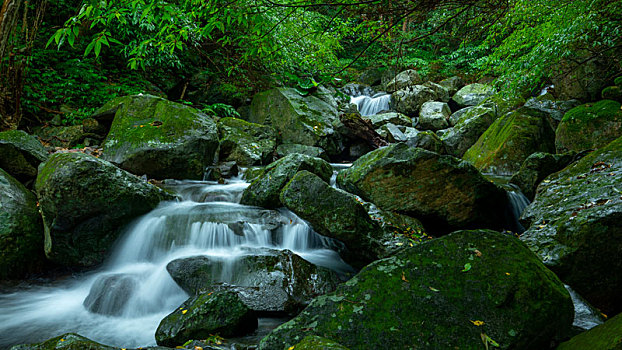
(184, 312)
(404, 277)
(433, 289)
(477, 322)
(467, 267)
(478, 253)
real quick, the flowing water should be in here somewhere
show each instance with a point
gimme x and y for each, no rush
(133, 291)
(370, 105)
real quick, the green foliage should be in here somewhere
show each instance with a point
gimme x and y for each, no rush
(221, 110)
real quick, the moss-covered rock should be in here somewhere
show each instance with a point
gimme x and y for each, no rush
(405, 79)
(85, 202)
(618, 81)
(454, 292)
(537, 167)
(574, 226)
(269, 280)
(549, 106)
(68, 341)
(434, 115)
(61, 136)
(408, 101)
(607, 336)
(468, 127)
(21, 154)
(313, 342)
(264, 191)
(219, 312)
(21, 230)
(472, 95)
(442, 93)
(504, 146)
(305, 120)
(378, 120)
(246, 143)
(442, 191)
(612, 93)
(336, 214)
(286, 149)
(589, 126)
(159, 138)
(427, 140)
(452, 84)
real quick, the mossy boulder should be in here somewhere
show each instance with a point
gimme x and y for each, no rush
(68, 341)
(246, 143)
(472, 95)
(269, 280)
(452, 84)
(61, 136)
(408, 101)
(21, 230)
(21, 154)
(427, 140)
(504, 146)
(378, 120)
(313, 342)
(443, 294)
(404, 80)
(548, 105)
(337, 214)
(218, 312)
(589, 126)
(434, 115)
(607, 336)
(537, 167)
(468, 127)
(265, 190)
(574, 226)
(612, 93)
(442, 191)
(305, 120)
(159, 138)
(442, 93)
(286, 149)
(85, 203)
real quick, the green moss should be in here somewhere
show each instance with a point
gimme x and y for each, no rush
(589, 126)
(618, 81)
(607, 336)
(246, 143)
(612, 93)
(69, 341)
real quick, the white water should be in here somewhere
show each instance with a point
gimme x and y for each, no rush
(370, 105)
(207, 222)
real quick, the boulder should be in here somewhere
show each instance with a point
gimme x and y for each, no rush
(468, 128)
(217, 312)
(472, 95)
(456, 116)
(392, 133)
(305, 120)
(68, 341)
(504, 146)
(61, 136)
(21, 230)
(403, 80)
(264, 191)
(442, 92)
(246, 143)
(424, 139)
(378, 120)
(159, 138)
(286, 149)
(574, 226)
(266, 279)
(21, 154)
(442, 191)
(607, 336)
(371, 76)
(434, 115)
(409, 100)
(454, 292)
(589, 126)
(549, 106)
(221, 171)
(110, 294)
(337, 214)
(313, 342)
(612, 93)
(537, 167)
(85, 203)
(452, 84)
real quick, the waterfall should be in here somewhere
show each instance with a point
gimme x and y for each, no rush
(517, 203)
(370, 105)
(123, 302)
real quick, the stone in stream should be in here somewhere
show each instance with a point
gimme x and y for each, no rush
(427, 140)
(469, 124)
(378, 120)
(264, 191)
(452, 84)
(159, 138)
(246, 143)
(313, 342)
(404, 80)
(442, 191)
(607, 336)
(548, 105)
(456, 291)
(472, 95)
(60, 136)
(21, 230)
(110, 294)
(21, 154)
(218, 312)
(574, 226)
(286, 149)
(441, 91)
(68, 341)
(433, 116)
(85, 203)
(537, 167)
(408, 101)
(265, 279)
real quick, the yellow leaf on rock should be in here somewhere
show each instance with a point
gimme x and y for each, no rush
(184, 311)
(477, 322)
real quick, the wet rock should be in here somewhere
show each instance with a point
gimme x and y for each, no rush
(378, 120)
(442, 92)
(21, 154)
(607, 336)
(110, 293)
(442, 294)
(85, 202)
(573, 226)
(264, 191)
(468, 127)
(442, 191)
(612, 93)
(427, 140)
(408, 101)
(61, 136)
(403, 80)
(537, 167)
(222, 171)
(313, 342)
(68, 341)
(589, 126)
(159, 138)
(585, 315)
(433, 116)
(472, 95)
(201, 315)
(246, 143)
(291, 148)
(549, 106)
(452, 84)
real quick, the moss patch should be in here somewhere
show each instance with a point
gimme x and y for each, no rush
(589, 126)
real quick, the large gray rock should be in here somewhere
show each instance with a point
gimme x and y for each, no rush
(110, 294)
(246, 143)
(574, 226)
(545, 104)
(433, 116)
(378, 120)
(405, 79)
(537, 167)
(85, 203)
(452, 84)
(286, 149)
(468, 128)
(454, 292)
(159, 138)
(472, 95)
(409, 100)
(424, 139)
(21, 154)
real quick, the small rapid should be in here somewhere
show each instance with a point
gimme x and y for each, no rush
(370, 105)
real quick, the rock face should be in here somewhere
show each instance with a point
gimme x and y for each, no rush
(434, 115)
(21, 154)
(110, 293)
(589, 126)
(305, 120)
(537, 167)
(210, 313)
(68, 341)
(509, 141)
(21, 231)
(159, 138)
(378, 120)
(442, 191)
(85, 202)
(472, 95)
(607, 336)
(574, 226)
(266, 280)
(264, 191)
(469, 126)
(545, 104)
(409, 100)
(336, 214)
(246, 143)
(404, 80)
(442, 294)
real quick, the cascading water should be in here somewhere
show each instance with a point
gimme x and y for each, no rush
(122, 303)
(517, 203)
(370, 105)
